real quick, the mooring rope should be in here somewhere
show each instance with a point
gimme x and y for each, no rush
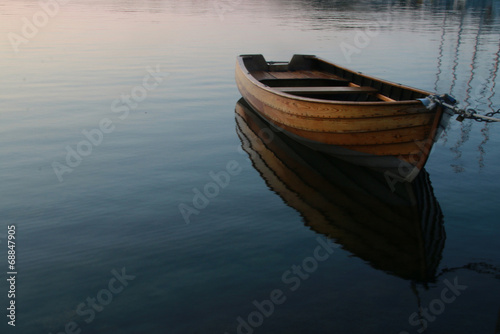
(450, 103)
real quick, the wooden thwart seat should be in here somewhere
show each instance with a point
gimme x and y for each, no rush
(326, 90)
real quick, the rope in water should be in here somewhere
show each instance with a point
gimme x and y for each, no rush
(449, 102)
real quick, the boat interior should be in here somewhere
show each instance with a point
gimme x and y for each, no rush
(308, 76)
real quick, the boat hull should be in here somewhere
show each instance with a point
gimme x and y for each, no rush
(392, 135)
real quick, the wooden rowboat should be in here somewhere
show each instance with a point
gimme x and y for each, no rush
(400, 232)
(355, 117)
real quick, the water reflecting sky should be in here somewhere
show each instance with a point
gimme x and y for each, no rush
(158, 76)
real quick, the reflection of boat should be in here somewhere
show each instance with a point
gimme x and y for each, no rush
(400, 232)
(358, 118)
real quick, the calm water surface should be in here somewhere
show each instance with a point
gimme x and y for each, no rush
(116, 115)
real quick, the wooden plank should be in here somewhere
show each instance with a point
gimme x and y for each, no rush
(326, 90)
(289, 75)
(385, 98)
(307, 82)
(347, 125)
(316, 74)
(302, 74)
(260, 75)
(279, 67)
(390, 136)
(378, 95)
(324, 75)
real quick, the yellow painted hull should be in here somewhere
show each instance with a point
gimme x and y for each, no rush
(401, 131)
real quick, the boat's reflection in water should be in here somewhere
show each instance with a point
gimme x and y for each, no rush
(400, 232)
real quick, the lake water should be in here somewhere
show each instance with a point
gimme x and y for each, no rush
(117, 115)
